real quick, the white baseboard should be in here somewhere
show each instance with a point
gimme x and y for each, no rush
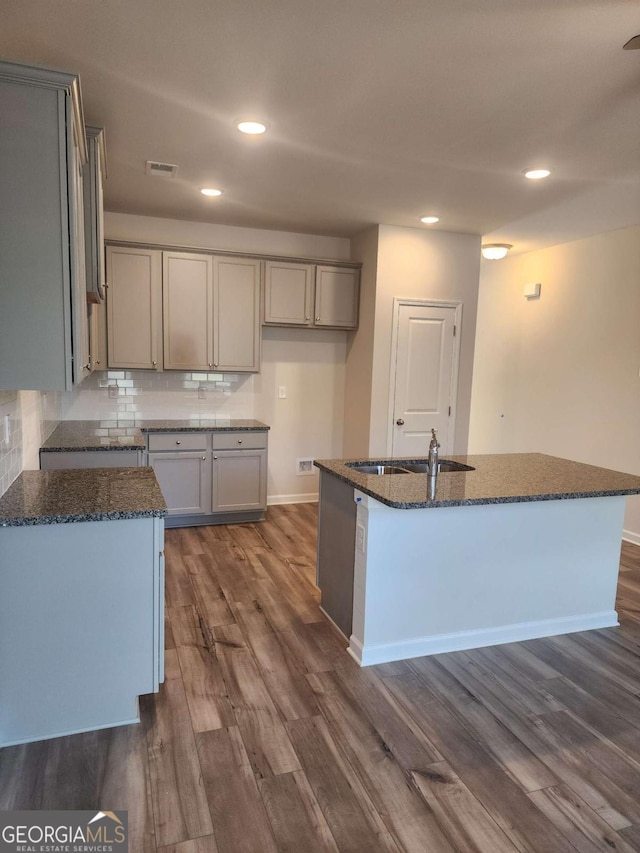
(310, 497)
(477, 639)
(630, 536)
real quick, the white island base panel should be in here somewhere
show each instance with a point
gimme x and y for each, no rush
(449, 578)
(81, 625)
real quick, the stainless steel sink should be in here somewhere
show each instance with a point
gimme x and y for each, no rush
(366, 468)
(444, 466)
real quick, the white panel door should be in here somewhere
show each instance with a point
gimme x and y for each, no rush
(424, 390)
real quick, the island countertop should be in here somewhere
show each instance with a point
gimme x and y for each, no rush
(497, 478)
(87, 494)
(101, 435)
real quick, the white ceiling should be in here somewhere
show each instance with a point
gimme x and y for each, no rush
(381, 111)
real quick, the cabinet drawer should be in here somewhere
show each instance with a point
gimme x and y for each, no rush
(238, 440)
(178, 441)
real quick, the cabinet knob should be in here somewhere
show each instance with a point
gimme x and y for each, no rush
(204, 458)
(400, 422)
(215, 457)
(178, 442)
(87, 366)
(239, 441)
(210, 364)
(317, 319)
(154, 363)
(307, 318)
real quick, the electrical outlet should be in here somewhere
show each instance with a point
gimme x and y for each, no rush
(202, 393)
(114, 391)
(304, 466)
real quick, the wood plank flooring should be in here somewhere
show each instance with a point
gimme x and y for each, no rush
(267, 737)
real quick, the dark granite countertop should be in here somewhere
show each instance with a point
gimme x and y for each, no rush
(92, 435)
(498, 478)
(197, 424)
(88, 436)
(88, 494)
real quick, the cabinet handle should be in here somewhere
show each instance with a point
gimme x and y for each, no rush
(178, 442)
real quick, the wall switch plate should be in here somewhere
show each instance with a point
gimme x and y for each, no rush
(532, 291)
(282, 392)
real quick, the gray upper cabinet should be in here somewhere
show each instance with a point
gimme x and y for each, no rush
(187, 297)
(134, 308)
(43, 321)
(310, 295)
(236, 314)
(337, 297)
(288, 293)
(95, 172)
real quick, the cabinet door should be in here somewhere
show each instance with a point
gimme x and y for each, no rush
(239, 480)
(187, 294)
(93, 176)
(38, 110)
(134, 307)
(98, 336)
(337, 297)
(236, 314)
(185, 481)
(80, 315)
(288, 290)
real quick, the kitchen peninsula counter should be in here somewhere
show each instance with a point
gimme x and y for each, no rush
(524, 546)
(81, 600)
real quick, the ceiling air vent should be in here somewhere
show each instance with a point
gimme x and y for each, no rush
(161, 170)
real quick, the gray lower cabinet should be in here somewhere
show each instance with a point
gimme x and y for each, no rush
(185, 481)
(81, 625)
(210, 477)
(54, 460)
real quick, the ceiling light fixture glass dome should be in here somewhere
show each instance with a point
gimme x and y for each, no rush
(495, 251)
(252, 127)
(209, 191)
(430, 220)
(536, 174)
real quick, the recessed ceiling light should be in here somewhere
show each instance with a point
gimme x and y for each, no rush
(536, 174)
(253, 128)
(211, 192)
(495, 251)
(430, 220)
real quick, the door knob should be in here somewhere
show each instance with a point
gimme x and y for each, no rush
(400, 422)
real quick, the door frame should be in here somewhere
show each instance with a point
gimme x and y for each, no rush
(398, 302)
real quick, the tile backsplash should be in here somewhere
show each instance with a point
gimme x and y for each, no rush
(33, 415)
(122, 396)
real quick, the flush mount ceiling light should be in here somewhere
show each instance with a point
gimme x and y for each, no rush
(536, 174)
(211, 192)
(495, 251)
(252, 127)
(430, 220)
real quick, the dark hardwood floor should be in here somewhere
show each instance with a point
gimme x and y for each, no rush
(266, 736)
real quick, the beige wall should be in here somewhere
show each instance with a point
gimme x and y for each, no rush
(559, 374)
(357, 405)
(421, 264)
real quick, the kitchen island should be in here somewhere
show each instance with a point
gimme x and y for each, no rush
(81, 600)
(522, 546)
